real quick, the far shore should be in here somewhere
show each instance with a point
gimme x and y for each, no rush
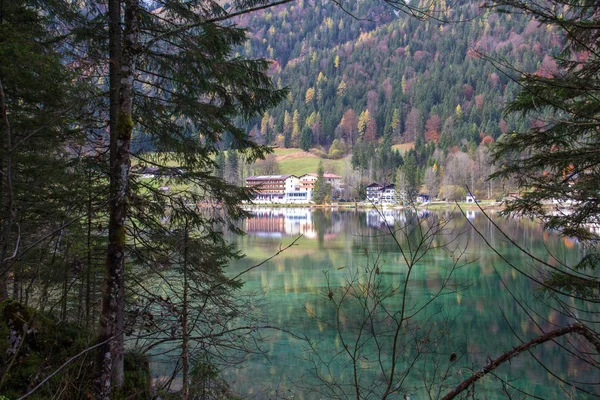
(436, 205)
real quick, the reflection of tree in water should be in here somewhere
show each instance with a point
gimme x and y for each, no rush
(322, 223)
(489, 321)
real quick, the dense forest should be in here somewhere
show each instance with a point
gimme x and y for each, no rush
(126, 127)
(364, 78)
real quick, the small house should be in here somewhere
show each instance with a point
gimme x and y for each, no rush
(422, 198)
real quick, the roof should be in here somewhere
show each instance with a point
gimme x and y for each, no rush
(325, 175)
(268, 177)
(308, 176)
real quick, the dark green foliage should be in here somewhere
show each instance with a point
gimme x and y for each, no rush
(200, 91)
(49, 108)
(579, 285)
(322, 190)
(408, 178)
(557, 159)
(35, 345)
(306, 138)
(220, 164)
(232, 167)
(411, 174)
(138, 380)
(194, 97)
(191, 90)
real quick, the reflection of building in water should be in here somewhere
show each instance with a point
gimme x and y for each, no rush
(383, 218)
(265, 222)
(299, 221)
(287, 222)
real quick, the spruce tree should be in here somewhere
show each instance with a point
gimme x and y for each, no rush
(557, 160)
(322, 189)
(556, 163)
(175, 82)
(41, 115)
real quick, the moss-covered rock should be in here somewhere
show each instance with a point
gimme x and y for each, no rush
(33, 345)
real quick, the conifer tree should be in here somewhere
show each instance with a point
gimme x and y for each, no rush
(322, 189)
(40, 128)
(557, 160)
(175, 81)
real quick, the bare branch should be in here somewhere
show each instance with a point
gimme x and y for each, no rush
(69, 361)
(507, 356)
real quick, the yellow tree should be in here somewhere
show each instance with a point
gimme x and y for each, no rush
(363, 122)
(310, 95)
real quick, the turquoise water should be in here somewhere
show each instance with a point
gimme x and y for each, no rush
(475, 317)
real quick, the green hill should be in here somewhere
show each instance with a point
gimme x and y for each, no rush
(297, 162)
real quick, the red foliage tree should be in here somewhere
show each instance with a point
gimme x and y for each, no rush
(433, 128)
(487, 140)
(479, 101)
(349, 125)
(467, 91)
(503, 126)
(371, 132)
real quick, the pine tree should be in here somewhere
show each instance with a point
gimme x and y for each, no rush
(557, 160)
(220, 164)
(556, 165)
(42, 121)
(322, 189)
(306, 138)
(198, 90)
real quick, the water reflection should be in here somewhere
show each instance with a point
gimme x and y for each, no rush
(487, 319)
(280, 222)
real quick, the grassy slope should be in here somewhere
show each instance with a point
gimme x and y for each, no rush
(298, 162)
(292, 161)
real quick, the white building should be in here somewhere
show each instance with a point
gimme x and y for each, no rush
(297, 192)
(289, 189)
(279, 189)
(373, 192)
(380, 193)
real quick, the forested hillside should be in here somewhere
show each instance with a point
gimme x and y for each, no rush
(127, 126)
(364, 78)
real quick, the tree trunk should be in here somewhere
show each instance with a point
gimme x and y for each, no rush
(8, 192)
(110, 369)
(88, 270)
(185, 352)
(65, 292)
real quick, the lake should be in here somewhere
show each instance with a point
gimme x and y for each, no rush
(343, 284)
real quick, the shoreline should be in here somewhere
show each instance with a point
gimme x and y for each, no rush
(492, 205)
